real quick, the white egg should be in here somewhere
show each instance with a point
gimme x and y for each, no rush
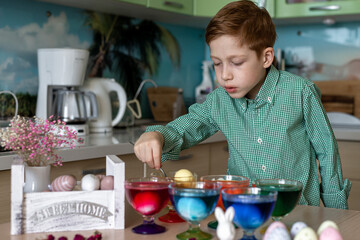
(306, 233)
(278, 233)
(296, 227)
(325, 225)
(90, 182)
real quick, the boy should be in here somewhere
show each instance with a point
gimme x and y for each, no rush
(274, 122)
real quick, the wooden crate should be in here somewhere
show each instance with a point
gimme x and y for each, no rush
(161, 100)
(68, 211)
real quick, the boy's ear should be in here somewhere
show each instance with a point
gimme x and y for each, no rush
(268, 57)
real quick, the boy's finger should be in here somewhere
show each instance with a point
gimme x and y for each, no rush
(156, 153)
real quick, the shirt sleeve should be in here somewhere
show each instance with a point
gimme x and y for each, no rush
(187, 130)
(334, 191)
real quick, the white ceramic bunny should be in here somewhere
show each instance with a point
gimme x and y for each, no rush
(225, 229)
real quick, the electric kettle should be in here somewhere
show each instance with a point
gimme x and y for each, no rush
(102, 88)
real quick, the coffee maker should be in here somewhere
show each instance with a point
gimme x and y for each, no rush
(61, 74)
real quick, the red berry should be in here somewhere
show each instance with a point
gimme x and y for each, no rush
(51, 237)
(79, 237)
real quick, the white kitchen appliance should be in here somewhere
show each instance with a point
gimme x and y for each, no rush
(61, 73)
(102, 87)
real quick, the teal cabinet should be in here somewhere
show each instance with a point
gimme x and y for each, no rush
(291, 8)
(177, 6)
(208, 8)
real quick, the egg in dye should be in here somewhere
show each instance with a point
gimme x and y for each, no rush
(191, 208)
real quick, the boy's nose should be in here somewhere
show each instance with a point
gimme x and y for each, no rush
(226, 75)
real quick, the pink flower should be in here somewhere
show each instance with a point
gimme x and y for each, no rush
(36, 140)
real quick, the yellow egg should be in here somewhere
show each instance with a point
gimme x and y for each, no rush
(183, 175)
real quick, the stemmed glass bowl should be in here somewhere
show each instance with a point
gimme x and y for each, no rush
(148, 196)
(253, 207)
(289, 192)
(171, 216)
(194, 201)
(226, 181)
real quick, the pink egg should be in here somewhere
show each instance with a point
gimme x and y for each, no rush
(107, 183)
(272, 226)
(330, 233)
(100, 176)
(63, 183)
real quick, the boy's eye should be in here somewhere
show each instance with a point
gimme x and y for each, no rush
(237, 63)
(216, 64)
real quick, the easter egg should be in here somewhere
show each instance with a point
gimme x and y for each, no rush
(63, 183)
(296, 227)
(146, 203)
(183, 175)
(100, 176)
(306, 233)
(272, 226)
(193, 209)
(325, 225)
(107, 183)
(90, 182)
(277, 233)
(330, 233)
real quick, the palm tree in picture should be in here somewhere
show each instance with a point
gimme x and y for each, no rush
(128, 47)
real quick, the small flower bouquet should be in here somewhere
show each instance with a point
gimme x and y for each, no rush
(36, 140)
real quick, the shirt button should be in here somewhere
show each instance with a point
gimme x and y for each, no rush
(269, 99)
(259, 140)
(263, 167)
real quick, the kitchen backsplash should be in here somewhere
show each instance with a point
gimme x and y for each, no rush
(320, 52)
(315, 51)
(27, 25)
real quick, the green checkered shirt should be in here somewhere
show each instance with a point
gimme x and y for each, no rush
(279, 134)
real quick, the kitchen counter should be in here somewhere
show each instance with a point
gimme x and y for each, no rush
(347, 220)
(119, 142)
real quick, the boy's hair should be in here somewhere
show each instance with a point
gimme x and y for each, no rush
(243, 19)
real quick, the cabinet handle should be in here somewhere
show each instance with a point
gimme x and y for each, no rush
(325, 8)
(173, 4)
(183, 157)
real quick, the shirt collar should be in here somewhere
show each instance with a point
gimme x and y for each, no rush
(267, 90)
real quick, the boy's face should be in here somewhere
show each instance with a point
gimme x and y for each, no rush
(238, 69)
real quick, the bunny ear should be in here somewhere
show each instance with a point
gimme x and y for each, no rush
(229, 214)
(219, 214)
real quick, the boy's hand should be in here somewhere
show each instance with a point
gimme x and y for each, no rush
(148, 148)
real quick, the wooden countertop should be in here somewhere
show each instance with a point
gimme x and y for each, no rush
(347, 220)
